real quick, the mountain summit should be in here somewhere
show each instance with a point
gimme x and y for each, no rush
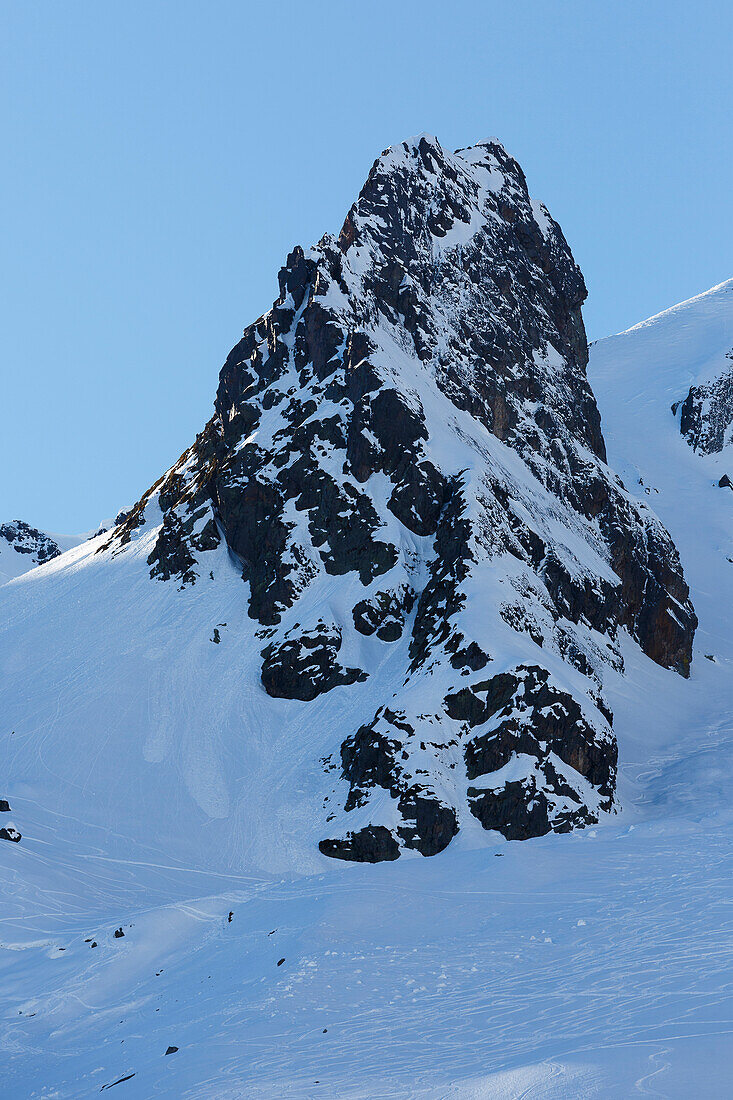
(374, 603)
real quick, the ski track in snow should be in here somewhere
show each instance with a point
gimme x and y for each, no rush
(594, 964)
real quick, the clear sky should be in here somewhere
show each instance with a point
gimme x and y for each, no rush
(160, 158)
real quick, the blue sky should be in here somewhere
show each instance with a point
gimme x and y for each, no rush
(161, 158)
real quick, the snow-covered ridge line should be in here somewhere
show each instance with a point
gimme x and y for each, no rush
(673, 312)
(684, 356)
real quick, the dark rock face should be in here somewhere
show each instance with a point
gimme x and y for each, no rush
(413, 418)
(306, 666)
(706, 414)
(372, 844)
(480, 702)
(384, 614)
(370, 757)
(522, 809)
(429, 824)
(547, 726)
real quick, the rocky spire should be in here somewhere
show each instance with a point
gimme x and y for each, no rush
(406, 462)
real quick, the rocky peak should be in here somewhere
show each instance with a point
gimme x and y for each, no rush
(482, 278)
(413, 418)
(23, 547)
(29, 540)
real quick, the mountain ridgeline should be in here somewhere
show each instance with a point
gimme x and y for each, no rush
(406, 464)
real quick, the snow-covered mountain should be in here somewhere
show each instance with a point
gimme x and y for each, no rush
(392, 602)
(23, 547)
(375, 603)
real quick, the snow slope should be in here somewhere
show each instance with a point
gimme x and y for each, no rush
(638, 376)
(587, 964)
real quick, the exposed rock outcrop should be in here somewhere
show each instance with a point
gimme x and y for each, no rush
(706, 414)
(23, 547)
(305, 666)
